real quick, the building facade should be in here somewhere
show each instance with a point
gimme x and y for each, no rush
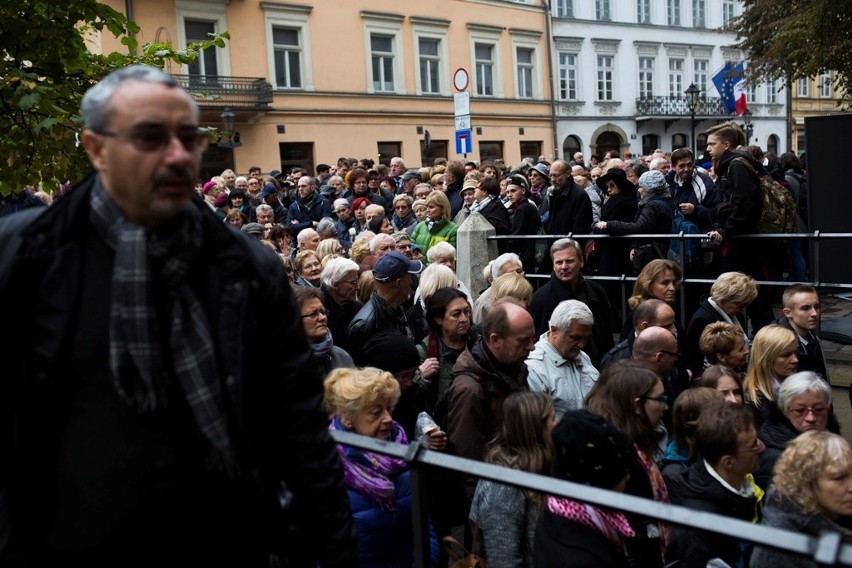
(309, 83)
(624, 66)
(811, 96)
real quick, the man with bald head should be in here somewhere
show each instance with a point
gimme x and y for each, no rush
(567, 208)
(656, 349)
(649, 313)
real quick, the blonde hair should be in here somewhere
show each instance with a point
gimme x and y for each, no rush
(374, 211)
(348, 391)
(718, 337)
(769, 342)
(512, 285)
(366, 285)
(807, 457)
(438, 198)
(434, 277)
(734, 287)
(327, 247)
(359, 251)
(301, 256)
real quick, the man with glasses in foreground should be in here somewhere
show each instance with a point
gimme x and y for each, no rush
(147, 416)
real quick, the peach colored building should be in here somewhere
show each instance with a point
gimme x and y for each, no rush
(309, 83)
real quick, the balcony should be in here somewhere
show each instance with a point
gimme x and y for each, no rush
(678, 107)
(217, 91)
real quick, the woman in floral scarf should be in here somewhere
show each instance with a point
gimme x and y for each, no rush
(589, 450)
(360, 401)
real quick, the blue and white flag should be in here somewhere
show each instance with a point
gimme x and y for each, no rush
(730, 83)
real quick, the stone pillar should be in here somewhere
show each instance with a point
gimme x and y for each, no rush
(474, 252)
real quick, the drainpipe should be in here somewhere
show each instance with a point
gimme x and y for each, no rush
(549, 38)
(128, 9)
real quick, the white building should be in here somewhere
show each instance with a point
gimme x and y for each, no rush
(622, 67)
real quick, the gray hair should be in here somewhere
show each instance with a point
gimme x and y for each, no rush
(327, 225)
(400, 236)
(440, 250)
(264, 208)
(403, 197)
(303, 235)
(96, 108)
(502, 261)
(562, 244)
(801, 383)
(336, 269)
(433, 278)
(375, 241)
(569, 311)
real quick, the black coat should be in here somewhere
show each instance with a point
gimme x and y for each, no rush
(652, 217)
(704, 315)
(561, 543)
(569, 210)
(741, 199)
(546, 298)
(525, 221)
(497, 214)
(373, 317)
(339, 317)
(775, 433)
(76, 450)
(614, 256)
(697, 489)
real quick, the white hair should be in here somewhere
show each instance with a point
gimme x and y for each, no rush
(376, 241)
(304, 235)
(501, 261)
(799, 384)
(336, 269)
(440, 250)
(569, 311)
(434, 277)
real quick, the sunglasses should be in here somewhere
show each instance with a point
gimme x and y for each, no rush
(156, 137)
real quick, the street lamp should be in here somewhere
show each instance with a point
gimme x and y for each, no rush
(692, 93)
(233, 140)
(748, 126)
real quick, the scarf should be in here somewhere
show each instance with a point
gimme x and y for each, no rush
(479, 205)
(370, 474)
(322, 348)
(658, 489)
(400, 223)
(611, 524)
(140, 369)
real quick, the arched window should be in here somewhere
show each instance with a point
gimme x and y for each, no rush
(701, 143)
(650, 142)
(570, 146)
(607, 142)
(680, 141)
(772, 144)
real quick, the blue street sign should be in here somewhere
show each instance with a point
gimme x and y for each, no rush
(464, 142)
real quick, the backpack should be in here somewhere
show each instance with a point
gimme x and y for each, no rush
(693, 253)
(779, 209)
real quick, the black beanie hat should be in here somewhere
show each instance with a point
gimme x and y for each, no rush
(391, 351)
(589, 450)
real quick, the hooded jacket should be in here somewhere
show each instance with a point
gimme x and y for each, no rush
(742, 202)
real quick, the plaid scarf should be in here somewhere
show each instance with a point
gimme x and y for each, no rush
(139, 367)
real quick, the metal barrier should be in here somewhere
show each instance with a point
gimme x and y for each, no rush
(814, 237)
(827, 548)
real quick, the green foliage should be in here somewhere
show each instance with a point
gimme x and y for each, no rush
(798, 38)
(45, 68)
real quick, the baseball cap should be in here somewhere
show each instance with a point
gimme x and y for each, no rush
(393, 266)
(269, 189)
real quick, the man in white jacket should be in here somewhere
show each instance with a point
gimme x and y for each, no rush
(558, 366)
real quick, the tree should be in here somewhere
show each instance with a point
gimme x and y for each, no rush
(45, 68)
(796, 39)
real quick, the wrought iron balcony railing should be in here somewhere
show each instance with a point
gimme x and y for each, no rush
(218, 91)
(679, 106)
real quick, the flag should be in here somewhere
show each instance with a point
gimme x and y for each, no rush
(730, 83)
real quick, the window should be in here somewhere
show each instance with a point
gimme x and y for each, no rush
(606, 70)
(531, 149)
(643, 11)
(699, 13)
(701, 142)
(700, 76)
(296, 154)
(751, 93)
(388, 150)
(567, 76)
(676, 78)
(525, 72)
(772, 92)
(206, 63)
(490, 151)
(679, 141)
(436, 149)
(646, 77)
(563, 8)
(650, 142)
(429, 65)
(571, 145)
(381, 48)
(674, 12)
(288, 32)
(772, 144)
(825, 84)
(805, 87)
(484, 69)
(288, 58)
(602, 11)
(727, 12)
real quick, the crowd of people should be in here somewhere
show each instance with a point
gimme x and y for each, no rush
(731, 414)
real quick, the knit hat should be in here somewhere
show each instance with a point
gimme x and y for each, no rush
(393, 266)
(653, 182)
(221, 200)
(391, 351)
(589, 450)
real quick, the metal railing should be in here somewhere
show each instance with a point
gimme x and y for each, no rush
(624, 280)
(215, 91)
(680, 107)
(827, 548)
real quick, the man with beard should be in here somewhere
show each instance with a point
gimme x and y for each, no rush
(308, 208)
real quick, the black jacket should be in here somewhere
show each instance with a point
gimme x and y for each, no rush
(741, 199)
(615, 253)
(697, 489)
(525, 221)
(704, 315)
(373, 317)
(497, 214)
(560, 542)
(54, 379)
(546, 298)
(569, 210)
(775, 433)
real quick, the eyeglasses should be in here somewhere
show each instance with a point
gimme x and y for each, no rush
(672, 353)
(400, 206)
(315, 314)
(156, 137)
(758, 443)
(802, 411)
(662, 399)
